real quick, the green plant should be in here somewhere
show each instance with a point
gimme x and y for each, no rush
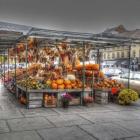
(126, 96)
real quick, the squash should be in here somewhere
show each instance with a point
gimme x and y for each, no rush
(48, 82)
(62, 86)
(54, 86)
(67, 82)
(80, 85)
(79, 67)
(88, 66)
(73, 85)
(95, 67)
(23, 100)
(59, 81)
(68, 87)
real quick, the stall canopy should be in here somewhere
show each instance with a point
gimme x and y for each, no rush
(75, 36)
(11, 33)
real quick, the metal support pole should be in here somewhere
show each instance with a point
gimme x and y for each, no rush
(92, 86)
(15, 78)
(4, 66)
(26, 59)
(83, 71)
(129, 66)
(0, 66)
(98, 56)
(8, 65)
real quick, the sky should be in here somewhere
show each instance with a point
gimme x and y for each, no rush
(92, 16)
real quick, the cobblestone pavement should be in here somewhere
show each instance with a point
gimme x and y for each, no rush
(100, 122)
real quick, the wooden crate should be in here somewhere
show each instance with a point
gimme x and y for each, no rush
(100, 100)
(50, 103)
(101, 97)
(35, 96)
(75, 101)
(35, 103)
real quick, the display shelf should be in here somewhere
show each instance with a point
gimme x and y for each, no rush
(35, 98)
(52, 90)
(57, 66)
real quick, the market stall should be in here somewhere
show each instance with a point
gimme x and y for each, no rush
(56, 64)
(51, 68)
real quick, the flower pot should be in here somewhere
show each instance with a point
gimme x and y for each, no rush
(65, 104)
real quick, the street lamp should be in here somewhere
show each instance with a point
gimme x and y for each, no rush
(134, 64)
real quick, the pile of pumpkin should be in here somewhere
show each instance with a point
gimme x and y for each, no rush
(89, 73)
(90, 70)
(107, 84)
(64, 84)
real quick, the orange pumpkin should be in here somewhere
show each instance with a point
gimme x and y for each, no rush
(88, 73)
(79, 67)
(68, 87)
(73, 85)
(88, 66)
(67, 82)
(95, 67)
(23, 100)
(54, 86)
(80, 85)
(59, 81)
(53, 81)
(62, 86)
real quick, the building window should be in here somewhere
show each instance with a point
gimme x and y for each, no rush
(104, 56)
(122, 54)
(108, 56)
(118, 55)
(134, 53)
(113, 55)
(128, 54)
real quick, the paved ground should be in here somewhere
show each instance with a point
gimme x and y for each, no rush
(107, 122)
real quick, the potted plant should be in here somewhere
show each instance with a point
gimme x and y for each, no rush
(66, 98)
(88, 100)
(126, 96)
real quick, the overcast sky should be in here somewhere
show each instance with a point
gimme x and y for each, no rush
(72, 15)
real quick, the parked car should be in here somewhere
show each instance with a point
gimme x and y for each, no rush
(112, 71)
